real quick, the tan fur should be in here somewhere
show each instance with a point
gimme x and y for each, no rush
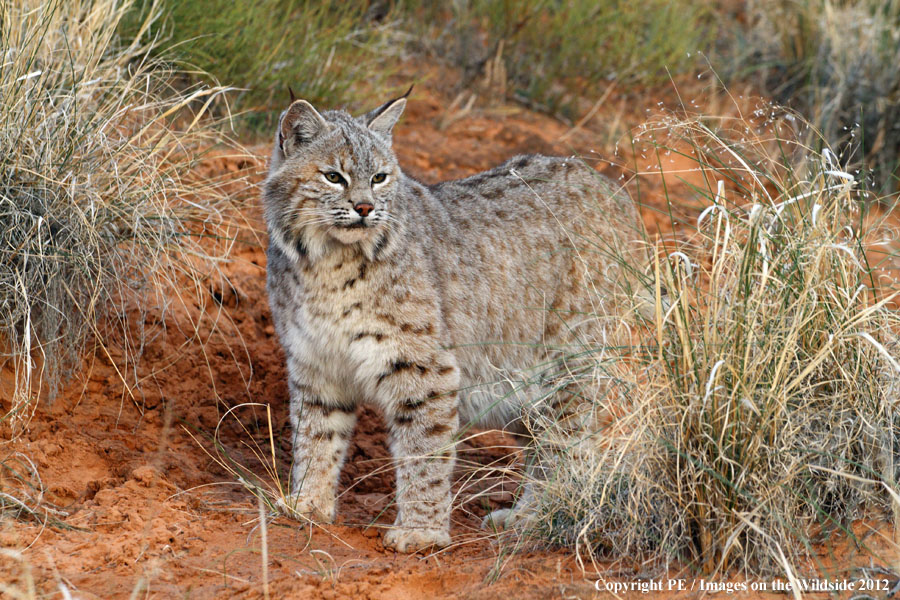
(437, 310)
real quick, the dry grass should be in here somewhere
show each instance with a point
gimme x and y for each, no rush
(95, 218)
(758, 413)
(836, 61)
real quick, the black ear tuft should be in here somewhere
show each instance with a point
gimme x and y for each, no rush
(291, 92)
(382, 119)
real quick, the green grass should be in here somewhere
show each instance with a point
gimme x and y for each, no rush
(545, 54)
(551, 54)
(832, 61)
(323, 50)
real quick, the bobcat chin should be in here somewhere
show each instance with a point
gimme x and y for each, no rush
(440, 304)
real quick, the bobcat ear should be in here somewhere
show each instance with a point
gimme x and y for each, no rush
(300, 123)
(382, 119)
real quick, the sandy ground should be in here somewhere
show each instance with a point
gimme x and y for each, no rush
(148, 507)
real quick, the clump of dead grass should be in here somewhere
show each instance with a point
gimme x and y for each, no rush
(95, 213)
(758, 413)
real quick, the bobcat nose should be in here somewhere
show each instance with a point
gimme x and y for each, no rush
(363, 209)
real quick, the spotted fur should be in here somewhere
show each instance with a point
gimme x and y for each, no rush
(433, 306)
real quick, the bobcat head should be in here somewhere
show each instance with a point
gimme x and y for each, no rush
(333, 180)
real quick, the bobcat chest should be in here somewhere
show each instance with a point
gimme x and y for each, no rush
(351, 334)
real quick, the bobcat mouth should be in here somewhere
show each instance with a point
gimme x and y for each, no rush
(361, 224)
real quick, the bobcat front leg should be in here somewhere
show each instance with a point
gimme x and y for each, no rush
(422, 442)
(322, 432)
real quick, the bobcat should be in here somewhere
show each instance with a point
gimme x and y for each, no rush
(431, 302)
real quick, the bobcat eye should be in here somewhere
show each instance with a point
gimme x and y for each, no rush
(333, 177)
(379, 177)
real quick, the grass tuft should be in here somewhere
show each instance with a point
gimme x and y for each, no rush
(757, 414)
(95, 218)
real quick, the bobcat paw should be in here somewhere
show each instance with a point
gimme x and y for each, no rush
(302, 508)
(413, 540)
(499, 520)
(506, 519)
(520, 516)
